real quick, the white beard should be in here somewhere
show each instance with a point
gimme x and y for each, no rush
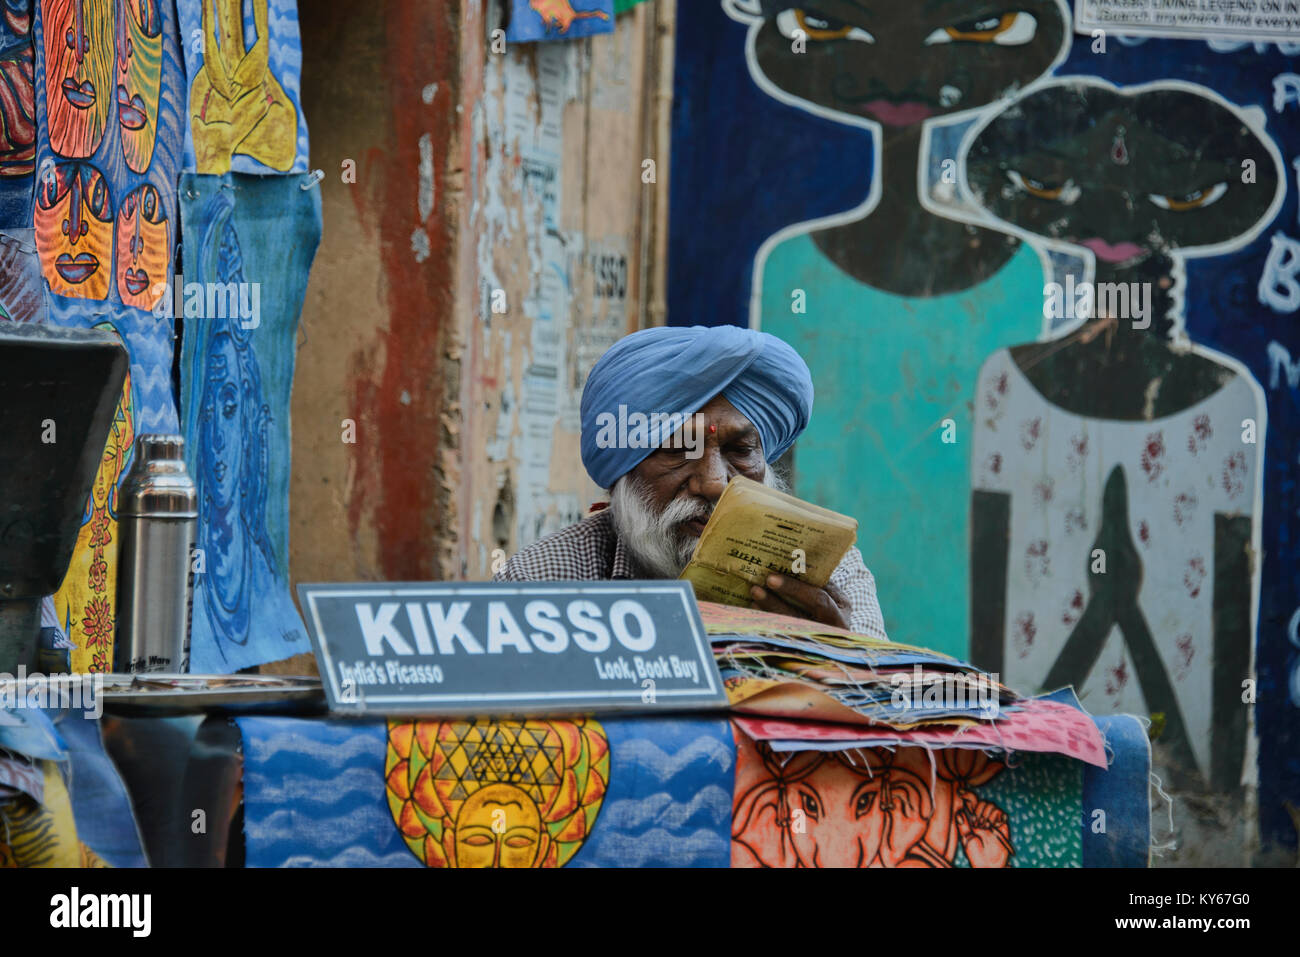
(659, 542)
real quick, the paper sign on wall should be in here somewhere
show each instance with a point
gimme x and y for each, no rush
(1273, 21)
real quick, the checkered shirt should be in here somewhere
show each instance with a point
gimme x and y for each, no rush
(590, 550)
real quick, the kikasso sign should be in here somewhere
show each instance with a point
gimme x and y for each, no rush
(504, 648)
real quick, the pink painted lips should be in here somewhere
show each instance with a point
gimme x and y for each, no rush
(130, 110)
(1118, 253)
(907, 113)
(76, 269)
(135, 280)
(80, 95)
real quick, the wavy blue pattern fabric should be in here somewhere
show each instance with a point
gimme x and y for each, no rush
(314, 795)
(675, 370)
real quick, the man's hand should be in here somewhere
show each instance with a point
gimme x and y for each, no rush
(789, 596)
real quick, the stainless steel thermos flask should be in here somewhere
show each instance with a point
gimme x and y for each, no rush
(157, 516)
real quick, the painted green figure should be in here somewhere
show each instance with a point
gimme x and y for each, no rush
(889, 370)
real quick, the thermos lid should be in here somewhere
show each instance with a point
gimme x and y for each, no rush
(158, 485)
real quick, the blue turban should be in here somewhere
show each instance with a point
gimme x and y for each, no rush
(677, 370)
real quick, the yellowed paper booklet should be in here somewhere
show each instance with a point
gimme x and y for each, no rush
(756, 531)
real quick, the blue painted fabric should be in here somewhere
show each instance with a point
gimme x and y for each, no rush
(1121, 836)
(533, 20)
(674, 370)
(1123, 793)
(671, 782)
(149, 343)
(249, 245)
(100, 805)
(245, 106)
(30, 732)
(315, 795)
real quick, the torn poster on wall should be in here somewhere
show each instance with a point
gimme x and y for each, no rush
(251, 243)
(1273, 21)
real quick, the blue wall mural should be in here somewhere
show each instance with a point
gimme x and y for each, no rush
(863, 188)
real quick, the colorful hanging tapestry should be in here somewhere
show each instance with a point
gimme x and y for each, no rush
(250, 243)
(476, 793)
(244, 61)
(108, 86)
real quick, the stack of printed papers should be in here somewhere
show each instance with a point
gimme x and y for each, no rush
(800, 685)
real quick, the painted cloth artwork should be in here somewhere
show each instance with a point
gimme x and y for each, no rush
(244, 62)
(1122, 794)
(22, 292)
(250, 244)
(17, 114)
(1138, 633)
(873, 448)
(84, 817)
(593, 792)
(86, 604)
(908, 807)
(109, 148)
(533, 20)
(105, 819)
(668, 802)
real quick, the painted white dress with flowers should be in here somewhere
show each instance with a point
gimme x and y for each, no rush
(1179, 471)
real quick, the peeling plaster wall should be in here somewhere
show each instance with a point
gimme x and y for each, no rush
(476, 173)
(555, 177)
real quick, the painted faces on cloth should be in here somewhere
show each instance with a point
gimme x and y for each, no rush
(142, 247)
(78, 42)
(138, 78)
(74, 230)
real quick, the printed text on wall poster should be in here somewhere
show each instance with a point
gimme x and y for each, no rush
(1274, 21)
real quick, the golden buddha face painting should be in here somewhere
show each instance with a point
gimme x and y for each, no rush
(142, 247)
(78, 47)
(498, 826)
(74, 230)
(139, 79)
(496, 793)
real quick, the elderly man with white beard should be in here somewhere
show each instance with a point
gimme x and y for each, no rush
(744, 397)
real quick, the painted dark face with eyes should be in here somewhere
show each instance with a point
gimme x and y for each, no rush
(1127, 175)
(902, 63)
